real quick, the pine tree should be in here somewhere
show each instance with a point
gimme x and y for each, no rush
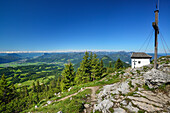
(110, 69)
(58, 84)
(4, 90)
(102, 69)
(110, 64)
(95, 70)
(118, 64)
(78, 78)
(38, 86)
(6, 93)
(84, 70)
(47, 88)
(26, 91)
(68, 76)
(52, 84)
(90, 64)
(43, 86)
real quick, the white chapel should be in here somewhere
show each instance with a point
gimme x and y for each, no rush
(139, 59)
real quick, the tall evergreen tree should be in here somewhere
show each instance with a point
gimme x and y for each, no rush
(84, 70)
(6, 93)
(95, 67)
(52, 84)
(68, 76)
(4, 90)
(110, 68)
(43, 86)
(38, 86)
(101, 67)
(118, 64)
(34, 87)
(110, 64)
(90, 65)
(26, 91)
(78, 78)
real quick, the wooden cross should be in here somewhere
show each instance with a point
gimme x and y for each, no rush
(134, 63)
(156, 28)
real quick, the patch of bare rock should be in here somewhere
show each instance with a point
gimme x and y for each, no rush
(129, 95)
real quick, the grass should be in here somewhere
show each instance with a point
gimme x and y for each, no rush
(147, 88)
(141, 111)
(75, 89)
(130, 94)
(66, 106)
(30, 82)
(15, 64)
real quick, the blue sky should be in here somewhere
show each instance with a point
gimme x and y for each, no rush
(47, 25)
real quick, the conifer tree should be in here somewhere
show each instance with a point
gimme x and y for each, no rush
(90, 64)
(84, 70)
(68, 76)
(110, 69)
(102, 69)
(110, 64)
(38, 86)
(47, 88)
(43, 86)
(26, 91)
(78, 78)
(5, 91)
(34, 87)
(58, 85)
(95, 67)
(52, 84)
(118, 64)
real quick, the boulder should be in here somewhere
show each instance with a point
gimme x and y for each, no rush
(36, 106)
(131, 108)
(103, 106)
(154, 78)
(59, 112)
(69, 89)
(49, 102)
(119, 110)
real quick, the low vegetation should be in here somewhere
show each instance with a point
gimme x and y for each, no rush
(46, 81)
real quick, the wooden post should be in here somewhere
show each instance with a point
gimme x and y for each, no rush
(155, 26)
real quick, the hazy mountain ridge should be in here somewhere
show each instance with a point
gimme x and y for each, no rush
(74, 57)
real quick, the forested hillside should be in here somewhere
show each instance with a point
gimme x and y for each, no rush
(23, 87)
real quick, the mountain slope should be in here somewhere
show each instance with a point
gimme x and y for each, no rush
(127, 93)
(9, 58)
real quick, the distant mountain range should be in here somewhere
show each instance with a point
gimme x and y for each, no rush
(74, 57)
(10, 58)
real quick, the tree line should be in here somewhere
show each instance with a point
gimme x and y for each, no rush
(91, 68)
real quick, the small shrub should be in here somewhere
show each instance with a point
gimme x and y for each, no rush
(130, 94)
(162, 87)
(130, 84)
(111, 110)
(141, 111)
(147, 88)
(132, 73)
(138, 72)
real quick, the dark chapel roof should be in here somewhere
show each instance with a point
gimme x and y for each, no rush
(140, 55)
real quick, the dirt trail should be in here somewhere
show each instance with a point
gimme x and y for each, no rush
(93, 97)
(93, 94)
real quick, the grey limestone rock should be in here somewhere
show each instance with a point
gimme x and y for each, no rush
(131, 108)
(59, 112)
(103, 106)
(154, 78)
(119, 110)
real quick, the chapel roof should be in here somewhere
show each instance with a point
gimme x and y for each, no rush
(140, 55)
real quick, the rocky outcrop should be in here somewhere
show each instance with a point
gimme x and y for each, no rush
(130, 95)
(154, 78)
